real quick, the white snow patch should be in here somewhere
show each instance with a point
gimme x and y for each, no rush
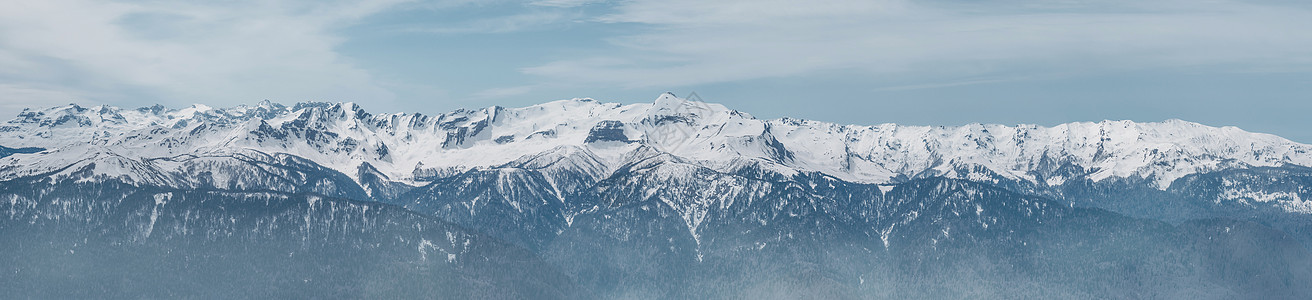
(122, 143)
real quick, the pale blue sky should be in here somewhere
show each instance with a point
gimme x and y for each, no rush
(1246, 63)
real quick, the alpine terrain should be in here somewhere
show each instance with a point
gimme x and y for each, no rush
(677, 199)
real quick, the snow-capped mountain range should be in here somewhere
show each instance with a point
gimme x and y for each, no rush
(671, 199)
(415, 148)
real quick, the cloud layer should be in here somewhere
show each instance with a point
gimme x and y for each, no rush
(179, 52)
(436, 55)
(940, 42)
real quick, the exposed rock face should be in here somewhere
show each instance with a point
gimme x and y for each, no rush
(672, 199)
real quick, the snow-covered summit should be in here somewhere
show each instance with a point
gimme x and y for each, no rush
(414, 147)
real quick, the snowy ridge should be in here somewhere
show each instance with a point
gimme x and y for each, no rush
(597, 138)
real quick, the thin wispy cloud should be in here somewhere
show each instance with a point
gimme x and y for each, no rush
(565, 3)
(181, 52)
(531, 21)
(436, 55)
(698, 42)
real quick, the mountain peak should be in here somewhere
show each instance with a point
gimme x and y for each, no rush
(668, 101)
(342, 135)
(667, 104)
